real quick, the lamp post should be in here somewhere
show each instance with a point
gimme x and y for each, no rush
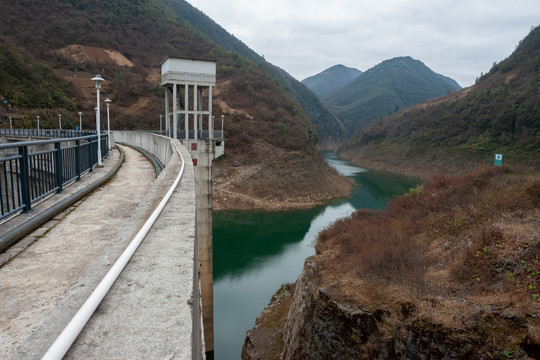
(98, 80)
(37, 122)
(60, 121)
(222, 119)
(108, 101)
(10, 124)
(160, 126)
(80, 121)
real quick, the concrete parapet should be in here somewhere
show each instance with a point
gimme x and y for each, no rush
(155, 144)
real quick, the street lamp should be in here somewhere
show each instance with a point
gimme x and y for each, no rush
(80, 121)
(38, 122)
(222, 119)
(98, 80)
(108, 102)
(160, 126)
(10, 124)
(60, 121)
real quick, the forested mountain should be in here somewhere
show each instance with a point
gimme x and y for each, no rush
(51, 49)
(328, 126)
(387, 87)
(499, 114)
(331, 79)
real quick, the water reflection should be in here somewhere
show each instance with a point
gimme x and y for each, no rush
(244, 239)
(256, 252)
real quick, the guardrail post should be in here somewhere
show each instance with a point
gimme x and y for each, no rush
(25, 178)
(78, 159)
(90, 151)
(58, 170)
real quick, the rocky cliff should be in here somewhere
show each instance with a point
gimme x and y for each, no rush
(321, 326)
(450, 271)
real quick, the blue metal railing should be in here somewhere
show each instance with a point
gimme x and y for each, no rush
(31, 170)
(52, 133)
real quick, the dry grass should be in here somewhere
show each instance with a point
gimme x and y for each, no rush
(463, 252)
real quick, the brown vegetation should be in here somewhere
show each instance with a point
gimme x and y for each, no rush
(460, 255)
(288, 179)
(125, 42)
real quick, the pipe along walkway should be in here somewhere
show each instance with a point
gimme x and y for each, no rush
(149, 311)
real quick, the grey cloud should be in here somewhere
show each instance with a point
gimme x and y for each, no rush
(459, 38)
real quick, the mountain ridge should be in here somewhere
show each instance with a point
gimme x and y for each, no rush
(385, 88)
(327, 124)
(459, 131)
(258, 112)
(331, 79)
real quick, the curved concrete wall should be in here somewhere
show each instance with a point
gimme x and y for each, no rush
(179, 219)
(153, 143)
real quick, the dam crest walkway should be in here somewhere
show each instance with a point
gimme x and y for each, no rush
(153, 309)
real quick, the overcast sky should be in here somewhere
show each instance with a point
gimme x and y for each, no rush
(456, 38)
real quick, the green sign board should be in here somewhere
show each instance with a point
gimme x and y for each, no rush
(498, 159)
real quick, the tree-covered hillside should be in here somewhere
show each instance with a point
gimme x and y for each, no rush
(58, 46)
(145, 32)
(499, 114)
(328, 126)
(392, 85)
(331, 79)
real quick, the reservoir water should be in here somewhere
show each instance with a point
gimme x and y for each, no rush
(256, 252)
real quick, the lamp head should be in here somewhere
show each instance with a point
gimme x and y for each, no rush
(98, 80)
(108, 101)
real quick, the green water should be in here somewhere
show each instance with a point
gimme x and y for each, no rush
(256, 252)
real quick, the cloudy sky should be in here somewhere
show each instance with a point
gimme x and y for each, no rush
(456, 38)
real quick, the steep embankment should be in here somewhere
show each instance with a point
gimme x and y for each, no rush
(450, 271)
(457, 132)
(63, 44)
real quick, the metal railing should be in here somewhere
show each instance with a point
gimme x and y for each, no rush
(188, 77)
(201, 134)
(52, 133)
(31, 170)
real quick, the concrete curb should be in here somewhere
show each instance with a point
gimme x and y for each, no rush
(14, 235)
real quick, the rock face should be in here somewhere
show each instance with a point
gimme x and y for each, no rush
(264, 341)
(320, 327)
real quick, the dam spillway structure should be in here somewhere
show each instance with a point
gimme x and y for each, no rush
(188, 88)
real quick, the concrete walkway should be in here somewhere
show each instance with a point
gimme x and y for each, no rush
(55, 269)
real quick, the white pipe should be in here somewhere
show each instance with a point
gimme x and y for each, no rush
(64, 341)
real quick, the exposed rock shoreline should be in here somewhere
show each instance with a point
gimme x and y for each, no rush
(478, 297)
